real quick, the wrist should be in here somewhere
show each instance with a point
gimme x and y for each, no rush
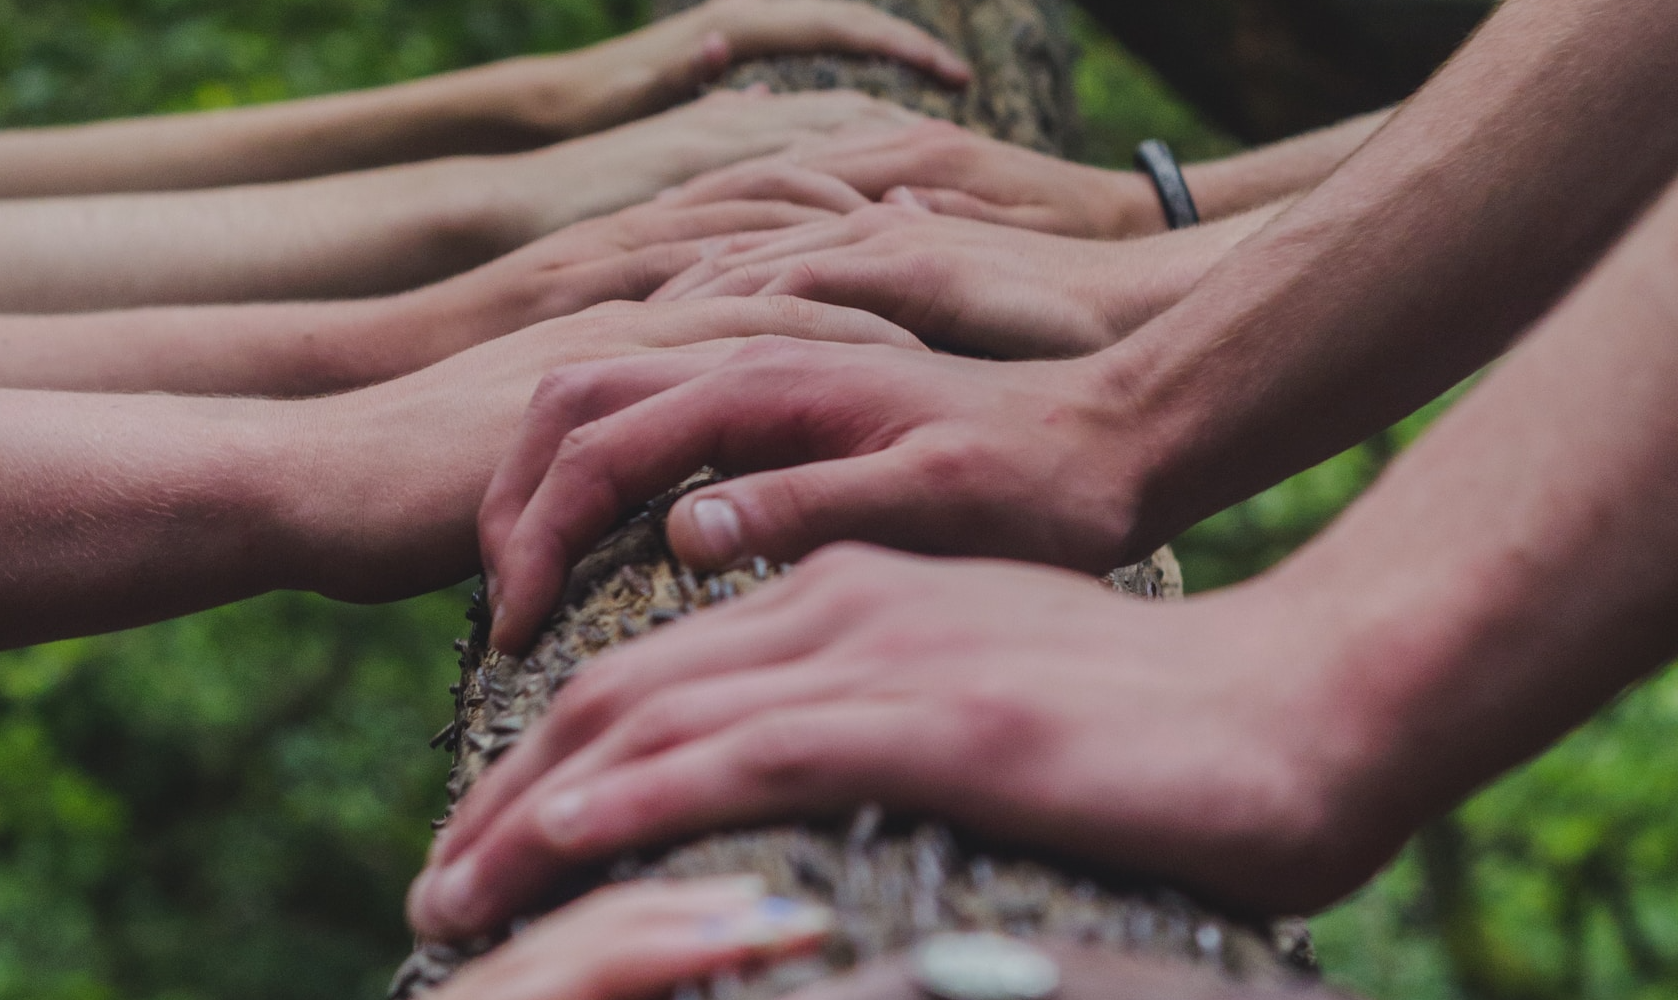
(1124, 205)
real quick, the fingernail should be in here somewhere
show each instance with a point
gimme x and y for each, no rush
(558, 819)
(718, 524)
(492, 589)
(775, 920)
(951, 66)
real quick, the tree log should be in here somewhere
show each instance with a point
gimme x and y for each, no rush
(893, 879)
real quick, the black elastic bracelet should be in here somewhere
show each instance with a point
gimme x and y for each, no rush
(1154, 159)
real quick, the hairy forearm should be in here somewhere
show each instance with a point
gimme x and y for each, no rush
(1262, 176)
(1136, 280)
(1419, 260)
(458, 113)
(1519, 566)
(120, 510)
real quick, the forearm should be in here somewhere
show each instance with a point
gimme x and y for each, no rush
(358, 234)
(1262, 176)
(287, 349)
(1519, 566)
(1137, 280)
(1418, 261)
(457, 113)
(119, 510)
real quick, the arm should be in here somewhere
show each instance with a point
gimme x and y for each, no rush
(517, 104)
(384, 230)
(117, 510)
(957, 172)
(310, 348)
(1279, 740)
(968, 286)
(1416, 262)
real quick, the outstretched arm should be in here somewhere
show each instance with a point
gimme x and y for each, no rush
(294, 349)
(117, 510)
(1275, 742)
(1420, 259)
(955, 171)
(509, 106)
(384, 230)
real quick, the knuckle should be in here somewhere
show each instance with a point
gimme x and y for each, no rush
(779, 751)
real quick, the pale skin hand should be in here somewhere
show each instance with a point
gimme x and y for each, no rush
(958, 172)
(513, 105)
(641, 940)
(1269, 746)
(1416, 262)
(124, 509)
(309, 348)
(972, 287)
(388, 230)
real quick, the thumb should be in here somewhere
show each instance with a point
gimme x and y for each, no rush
(784, 514)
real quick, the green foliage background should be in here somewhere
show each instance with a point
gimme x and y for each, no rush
(230, 805)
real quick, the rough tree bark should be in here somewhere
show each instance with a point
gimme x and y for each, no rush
(894, 880)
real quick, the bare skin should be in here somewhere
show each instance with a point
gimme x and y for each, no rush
(957, 172)
(509, 106)
(1513, 572)
(973, 287)
(1418, 260)
(126, 509)
(639, 941)
(311, 348)
(388, 230)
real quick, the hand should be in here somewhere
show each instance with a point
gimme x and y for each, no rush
(955, 171)
(666, 61)
(575, 180)
(960, 285)
(1042, 460)
(382, 484)
(622, 256)
(1205, 743)
(641, 939)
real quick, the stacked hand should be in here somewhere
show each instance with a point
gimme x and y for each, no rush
(1198, 743)
(407, 461)
(1039, 460)
(958, 172)
(964, 286)
(652, 68)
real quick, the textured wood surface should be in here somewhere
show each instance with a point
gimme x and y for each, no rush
(892, 879)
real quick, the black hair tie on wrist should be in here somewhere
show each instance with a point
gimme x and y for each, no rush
(1154, 159)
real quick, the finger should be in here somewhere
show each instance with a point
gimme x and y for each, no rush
(737, 253)
(928, 154)
(801, 761)
(769, 179)
(594, 473)
(907, 289)
(857, 28)
(641, 939)
(740, 635)
(565, 399)
(627, 276)
(657, 223)
(750, 269)
(561, 755)
(945, 201)
(784, 514)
